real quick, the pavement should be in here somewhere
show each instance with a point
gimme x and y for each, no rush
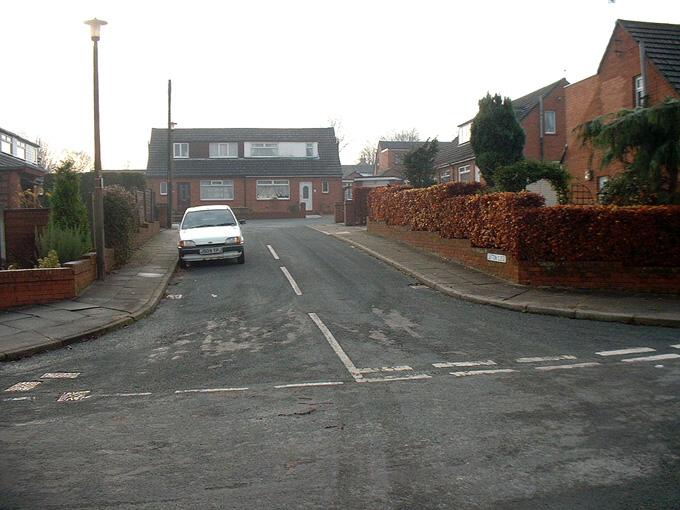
(126, 296)
(462, 282)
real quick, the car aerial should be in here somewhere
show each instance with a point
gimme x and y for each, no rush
(210, 232)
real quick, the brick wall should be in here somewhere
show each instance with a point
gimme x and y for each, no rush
(339, 212)
(611, 89)
(584, 275)
(245, 195)
(146, 231)
(553, 144)
(33, 286)
(20, 231)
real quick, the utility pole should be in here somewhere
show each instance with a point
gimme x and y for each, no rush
(170, 154)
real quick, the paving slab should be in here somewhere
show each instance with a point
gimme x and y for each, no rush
(123, 298)
(459, 281)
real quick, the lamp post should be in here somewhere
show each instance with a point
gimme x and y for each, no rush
(171, 125)
(98, 213)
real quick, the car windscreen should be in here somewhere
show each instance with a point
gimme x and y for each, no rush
(209, 218)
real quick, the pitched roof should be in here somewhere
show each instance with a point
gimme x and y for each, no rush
(397, 145)
(662, 46)
(361, 169)
(328, 163)
(452, 152)
(8, 162)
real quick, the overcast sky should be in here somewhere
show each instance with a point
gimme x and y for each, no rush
(375, 66)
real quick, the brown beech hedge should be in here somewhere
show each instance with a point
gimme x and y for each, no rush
(520, 224)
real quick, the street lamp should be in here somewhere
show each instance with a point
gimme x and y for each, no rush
(171, 155)
(98, 214)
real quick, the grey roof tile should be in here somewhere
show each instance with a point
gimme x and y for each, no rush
(327, 165)
(8, 162)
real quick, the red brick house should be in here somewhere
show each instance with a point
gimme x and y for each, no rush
(542, 115)
(268, 172)
(623, 80)
(19, 171)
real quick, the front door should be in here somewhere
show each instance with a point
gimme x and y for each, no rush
(306, 195)
(183, 196)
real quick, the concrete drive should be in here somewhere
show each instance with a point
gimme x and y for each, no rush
(127, 295)
(459, 281)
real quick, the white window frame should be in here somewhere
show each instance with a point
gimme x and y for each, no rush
(274, 147)
(602, 181)
(163, 186)
(309, 150)
(273, 183)
(464, 133)
(223, 184)
(221, 150)
(325, 186)
(178, 151)
(639, 87)
(464, 170)
(5, 143)
(546, 123)
(20, 146)
(31, 154)
(445, 176)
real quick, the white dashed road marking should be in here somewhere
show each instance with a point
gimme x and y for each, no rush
(562, 367)
(390, 378)
(483, 372)
(73, 396)
(305, 385)
(16, 399)
(652, 358)
(351, 368)
(621, 352)
(23, 386)
(271, 250)
(142, 394)
(291, 281)
(452, 364)
(60, 375)
(403, 368)
(545, 358)
(676, 346)
(210, 390)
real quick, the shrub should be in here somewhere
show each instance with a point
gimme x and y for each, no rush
(517, 176)
(68, 210)
(641, 236)
(51, 261)
(68, 243)
(120, 222)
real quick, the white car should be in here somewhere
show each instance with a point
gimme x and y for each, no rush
(210, 232)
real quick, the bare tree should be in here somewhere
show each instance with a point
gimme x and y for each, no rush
(46, 158)
(368, 153)
(405, 135)
(336, 124)
(82, 161)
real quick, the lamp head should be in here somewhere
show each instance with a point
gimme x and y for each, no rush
(95, 26)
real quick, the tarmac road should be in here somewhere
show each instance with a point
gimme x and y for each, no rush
(364, 390)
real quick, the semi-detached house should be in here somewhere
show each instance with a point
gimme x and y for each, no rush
(266, 172)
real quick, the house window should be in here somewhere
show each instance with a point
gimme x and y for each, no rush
(31, 154)
(181, 150)
(398, 159)
(464, 173)
(273, 190)
(639, 92)
(348, 193)
(164, 188)
(549, 126)
(478, 174)
(217, 190)
(324, 186)
(6, 144)
(309, 150)
(20, 151)
(264, 150)
(223, 150)
(464, 134)
(445, 176)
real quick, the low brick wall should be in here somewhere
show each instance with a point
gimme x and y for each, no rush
(20, 229)
(146, 231)
(339, 212)
(583, 275)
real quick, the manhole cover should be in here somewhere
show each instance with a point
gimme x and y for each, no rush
(150, 275)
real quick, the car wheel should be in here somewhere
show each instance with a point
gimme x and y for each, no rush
(242, 257)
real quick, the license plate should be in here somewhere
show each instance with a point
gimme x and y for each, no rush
(208, 251)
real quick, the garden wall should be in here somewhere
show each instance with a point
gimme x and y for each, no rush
(20, 229)
(511, 235)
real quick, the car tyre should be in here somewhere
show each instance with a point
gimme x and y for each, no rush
(242, 257)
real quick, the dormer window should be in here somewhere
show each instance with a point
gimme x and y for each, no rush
(6, 143)
(464, 133)
(181, 150)
(264, 150)
(309, 150)
(223, 150)
(20, 151)
(31, 154)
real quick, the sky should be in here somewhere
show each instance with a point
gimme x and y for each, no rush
(373, 66)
